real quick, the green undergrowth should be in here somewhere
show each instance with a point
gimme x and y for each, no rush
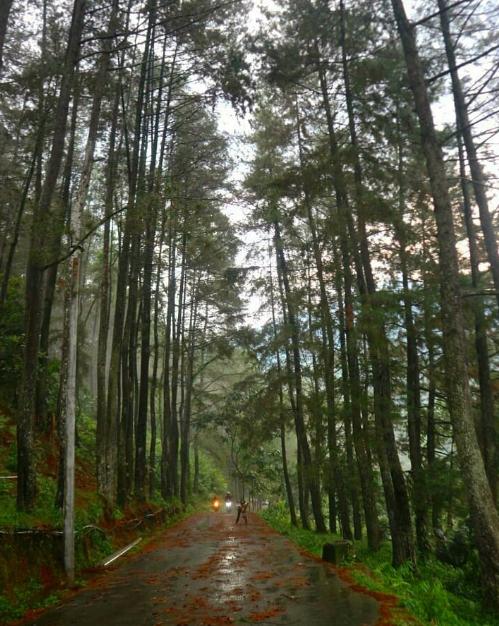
(436, 595)
(278, 518)
(29, 596)
(46, 513)
(36, 593)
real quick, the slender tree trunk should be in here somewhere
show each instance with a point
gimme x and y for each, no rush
(419, 487)
(105, 307)
(176, 377)
(420, 503)
(71, 384)
(299, 418)
(189, 382)
(347, 414)
(166, 485)
(464, 129)
(195, 482)
(487, 430)
(19, 215)
(402, 541)
(282, 415)
(26, 482)
(336, 480)
(5, 7)
(59, 225)
(128, 253)
(484, 515)
(74, 307)
(431, 434)
(145, 350)
(352, 392)
(304, 517)
(154, 378)
(61, 396)
(126, 458)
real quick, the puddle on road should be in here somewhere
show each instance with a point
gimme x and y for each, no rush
(268, 581)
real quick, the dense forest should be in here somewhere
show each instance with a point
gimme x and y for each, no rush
(254, 247)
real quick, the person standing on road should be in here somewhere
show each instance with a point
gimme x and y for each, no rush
(242, 510)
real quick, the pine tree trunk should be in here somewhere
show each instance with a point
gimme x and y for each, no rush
(74, 307)
(155, 366)
(419, 488)
(26, 482)
(105, 306)
(166, 486)
(61, 397)
(292, 401)
(19, 215)
(189, 382)
(485, 518)
(176, 376)
(464, 129)
(395, 493)
(413, 387)
(487, 430)
(145, 353)
(59, 225)
(431, 433)
(146, 295)
(195, 482)
(126, 457)
(352, 393)
(353, 469)
(301, 433)
(336, 480)
(116, 438)
(282, 416)
(5, 7)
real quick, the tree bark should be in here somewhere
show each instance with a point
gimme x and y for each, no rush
(26, 482)
(396, 496)
(5, 7)
(464, 129)
(301, 433)
(484, 515)
(147, 263)
(105, 306)
(413, 387)
(486, 427)
(189, 382)
(282, 415)
(354, 437)
(74, 307)
(336, 479)
(166, 485)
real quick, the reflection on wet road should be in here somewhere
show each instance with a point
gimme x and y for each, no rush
(208, 571)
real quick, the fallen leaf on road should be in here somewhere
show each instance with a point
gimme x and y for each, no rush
(263, 615)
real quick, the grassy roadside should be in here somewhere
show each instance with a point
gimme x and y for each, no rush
(437, 595)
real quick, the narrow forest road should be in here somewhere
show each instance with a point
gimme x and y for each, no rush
(208, 571)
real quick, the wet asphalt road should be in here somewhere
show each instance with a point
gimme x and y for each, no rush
(206, 571)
